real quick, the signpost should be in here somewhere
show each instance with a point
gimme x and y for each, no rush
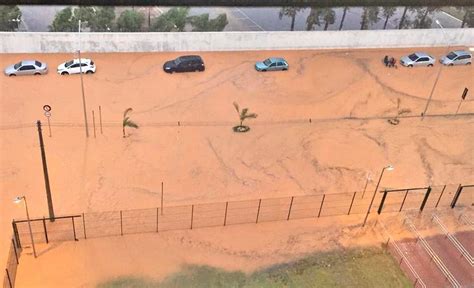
(47, 113)
(463, 96)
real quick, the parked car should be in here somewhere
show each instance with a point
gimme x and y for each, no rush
(27, 67)
(457, 58)
(272, 64)
(189, 63)
(72, 67)
(417, 59)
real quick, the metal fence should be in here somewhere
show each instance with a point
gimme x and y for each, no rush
(155, 220)
(13, 259)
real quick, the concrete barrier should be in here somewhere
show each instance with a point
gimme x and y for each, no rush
(23, 42)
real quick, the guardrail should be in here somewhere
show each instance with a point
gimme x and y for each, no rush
(453, 240)
(403, 259)
(439, 263)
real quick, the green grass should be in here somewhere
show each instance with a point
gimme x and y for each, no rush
(354, 268)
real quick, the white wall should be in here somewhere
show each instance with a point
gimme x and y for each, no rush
(23, 42)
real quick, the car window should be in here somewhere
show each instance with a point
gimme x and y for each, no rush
(267, 62)
(423, 59)
(279, 64)
(462, 57)
(17, 65)
(74, 65)
(83, 64)
(273, 65)
(69, 63)
(451, 55)
(37, 63)
(27, 67)
(413, 57)
(177, 61)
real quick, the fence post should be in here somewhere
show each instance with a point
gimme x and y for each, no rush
(192, 216)
(382, 201)
(416, 282)
(15, 232)
(45, 230)
(225, 215)
(84, 225)
(121, 224)
(456, 196)
(289, 210)
(258, 211)
(16, 253)
(100, 119)
(428, 191)
(157, 213)
(321, 207)
(74, 229)
(9, 280)
(352, 202)
(403, 202)
(441, 195)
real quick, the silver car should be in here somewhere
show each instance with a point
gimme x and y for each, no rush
(27, 67)
(417, 59)
(457, 58)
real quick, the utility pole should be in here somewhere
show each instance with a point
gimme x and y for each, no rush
(45, 172)
(82, 83)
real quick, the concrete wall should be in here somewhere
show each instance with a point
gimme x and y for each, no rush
(230, 41)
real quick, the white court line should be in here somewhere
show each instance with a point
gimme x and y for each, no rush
(449, 15)
(243, 13)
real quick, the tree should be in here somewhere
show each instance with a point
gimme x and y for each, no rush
(10, 17)
(343, 17)
(130, 21)
(402, 23)
(127, 122)
(172, 20)
(327, 14)
(329, 17)
(313, 18)
(369, 16)
(243, 114)
(63, 21)
(103, 19)
(203, 23)
(387, 13)
(290, 12)
(422, 19)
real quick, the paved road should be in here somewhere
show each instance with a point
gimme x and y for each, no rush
(37, 18)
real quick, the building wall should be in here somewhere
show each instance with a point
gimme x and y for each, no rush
(23, 42)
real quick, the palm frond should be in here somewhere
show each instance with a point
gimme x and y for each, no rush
(251, 115)
(236, 107)
(125, 120)
(131, 124)
(125, 113)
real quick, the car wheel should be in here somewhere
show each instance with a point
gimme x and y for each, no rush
(410, 66)
(12, 75)
(264, 70)
(89, 72)
(64, 73)
(430, 65)
(37, 73)
(284, 69)
(451, 64)
(468, 63)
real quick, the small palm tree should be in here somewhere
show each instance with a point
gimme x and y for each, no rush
(127, 122)
(243, 114)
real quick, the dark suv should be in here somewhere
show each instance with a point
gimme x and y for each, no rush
(184, 64)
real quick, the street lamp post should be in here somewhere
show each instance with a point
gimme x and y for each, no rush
(437, 76)
(18, 200)
(389, 168)
(82, 83)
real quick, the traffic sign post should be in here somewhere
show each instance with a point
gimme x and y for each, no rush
(47, 113)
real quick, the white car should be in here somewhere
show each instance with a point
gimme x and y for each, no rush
(72, 67)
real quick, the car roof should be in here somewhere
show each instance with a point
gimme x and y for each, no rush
(461, 52)
(190, 57)
(276, 59)
(422, 54)
(83, 60)
(29, 62)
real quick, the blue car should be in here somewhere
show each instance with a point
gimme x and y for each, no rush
(272, 64)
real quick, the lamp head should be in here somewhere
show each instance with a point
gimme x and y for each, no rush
(18, 199)
(389, 167)
(437, 22)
